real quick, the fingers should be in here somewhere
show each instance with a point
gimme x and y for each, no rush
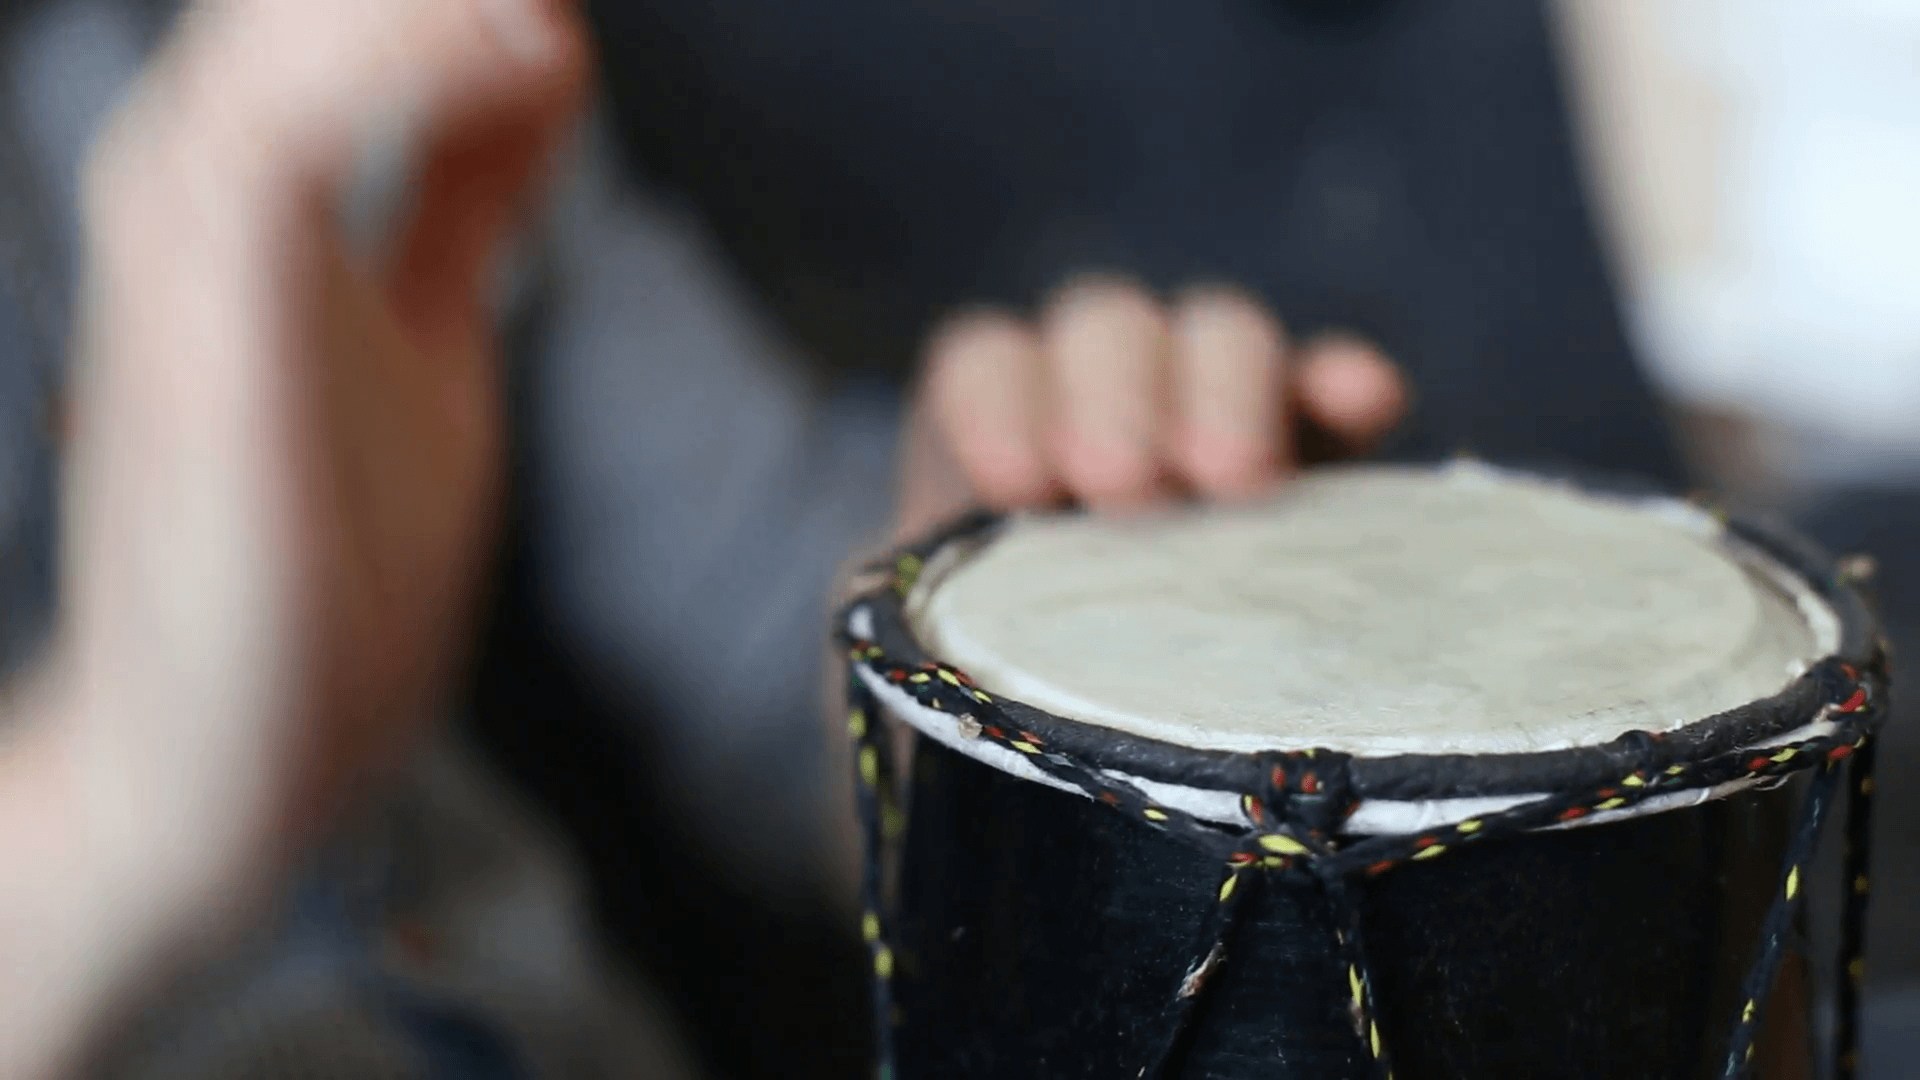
(265, 104)
(1230, 421)
(1352, 389)
(1117, 401)
(315, 77)
(985, 389)
(476, 184)
(1107, 350)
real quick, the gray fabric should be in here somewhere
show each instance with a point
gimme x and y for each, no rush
(304, 1029)
(458, 897)
(65, 65)
(19, 394)
(696, 495)
(62, 65)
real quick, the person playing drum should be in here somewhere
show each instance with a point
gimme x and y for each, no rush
(286, 455)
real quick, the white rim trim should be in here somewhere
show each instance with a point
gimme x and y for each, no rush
(1373, 817)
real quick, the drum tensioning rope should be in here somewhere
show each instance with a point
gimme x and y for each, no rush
(1296, 802)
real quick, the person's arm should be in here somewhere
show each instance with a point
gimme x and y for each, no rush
(53, 945)
(101, 883)
(283, 474)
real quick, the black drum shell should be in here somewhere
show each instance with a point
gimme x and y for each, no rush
(1040, 934)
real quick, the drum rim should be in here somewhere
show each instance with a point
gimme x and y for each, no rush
(1423, 777)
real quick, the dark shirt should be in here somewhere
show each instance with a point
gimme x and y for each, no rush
(1397, 168)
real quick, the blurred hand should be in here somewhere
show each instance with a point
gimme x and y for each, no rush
(1119, 402)
(287, 451)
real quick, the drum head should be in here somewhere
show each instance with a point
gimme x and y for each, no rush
(1378, 610)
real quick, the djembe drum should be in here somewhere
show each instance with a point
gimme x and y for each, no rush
(1412, 772)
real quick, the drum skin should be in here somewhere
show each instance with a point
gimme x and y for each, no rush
(1040, 935)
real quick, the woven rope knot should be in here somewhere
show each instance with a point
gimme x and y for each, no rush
(1840, 681)
(1306, 793)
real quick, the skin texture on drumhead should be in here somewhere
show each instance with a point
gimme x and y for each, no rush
(1375, 610)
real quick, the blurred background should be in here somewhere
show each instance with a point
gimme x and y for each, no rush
(1671, 237)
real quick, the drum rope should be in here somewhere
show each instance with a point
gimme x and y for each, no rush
(1779, 922)
(1853, 922)
(1217, 928)
(877, 805)
(1293, 823)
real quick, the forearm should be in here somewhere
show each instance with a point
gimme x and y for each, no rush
(99, 891)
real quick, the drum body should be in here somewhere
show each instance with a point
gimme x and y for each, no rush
(1424, 870)
(1041, 935)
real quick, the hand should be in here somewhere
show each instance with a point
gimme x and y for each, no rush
(1119, 402)
(287, 451)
